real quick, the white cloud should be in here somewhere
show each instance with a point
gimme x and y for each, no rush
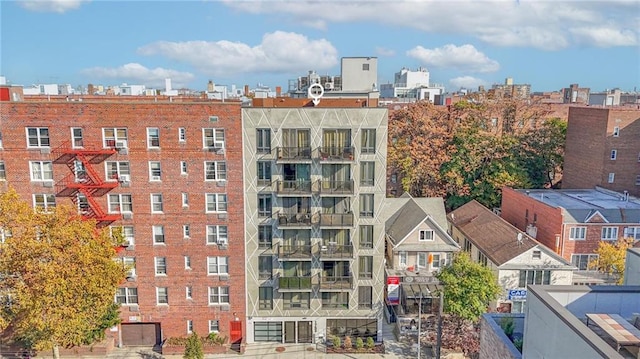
(547, 25)
(465, 57)
(59, 6)
(382, 51)
(467, 82)
(135, 73)
(279, 52)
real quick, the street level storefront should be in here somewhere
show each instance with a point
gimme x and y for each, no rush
(311, 330)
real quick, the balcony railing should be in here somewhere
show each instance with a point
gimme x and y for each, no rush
(330, 187)
(294, 252)
(339, 154)
(294, 187)
(336, 251)
(336, 219)
(297, 283)
(294, 219)
(336, 282)
(293, 153)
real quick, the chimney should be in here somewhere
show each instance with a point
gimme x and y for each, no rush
(278, 91)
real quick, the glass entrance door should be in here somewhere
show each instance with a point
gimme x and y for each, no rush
(305, 332)
(289, 332)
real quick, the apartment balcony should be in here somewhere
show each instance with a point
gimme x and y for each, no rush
(299, 187)
(336, 154)
(336, 282)
(294, 219)
(297, 283)
(336, 219)
(295, 252)
(293, 154)
(333, 251)
(333, 188)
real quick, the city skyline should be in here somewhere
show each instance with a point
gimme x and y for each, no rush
(546, 44)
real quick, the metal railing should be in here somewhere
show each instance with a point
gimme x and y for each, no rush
(336, 153)
(336, 219)
(293, 153)
(331, 187)
(336, 282)
(295, 251)
(336, 251)
(295, 187)
(293, 219)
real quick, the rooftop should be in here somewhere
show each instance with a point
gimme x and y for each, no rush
(597, 198)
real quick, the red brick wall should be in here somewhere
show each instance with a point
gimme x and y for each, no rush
(92, 116)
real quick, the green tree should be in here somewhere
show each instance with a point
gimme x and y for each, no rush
(542, 152)
(193, 349)
(611, 258)
(469, 287)
(60, 273)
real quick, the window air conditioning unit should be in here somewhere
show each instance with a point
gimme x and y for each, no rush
(127, 215)
(47, 184)
(155, 178)
(124, 178)
(121, 144)
(128, 241)
(222, 244)
(220, 151)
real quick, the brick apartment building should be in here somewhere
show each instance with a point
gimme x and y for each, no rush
(169, 174)
(603, 149)
(572, 222)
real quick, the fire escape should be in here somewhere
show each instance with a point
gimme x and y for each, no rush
(83, 185)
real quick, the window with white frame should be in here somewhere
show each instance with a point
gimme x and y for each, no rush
(402, 258)
(125, 231)
(217, 234)
(161, 265)
(189, 326)
(578, 233)
(215, 171)
(158, 234)
(162, 295)
(77, 140)
(482, 259)
(609, 233)
(182, 134)
(368, 142)
(437, 261)
(365, 297)
(367, 173)
(115, 138)
(44, 201)
(217, 265)
(213, 138)
(632, 232)
(265, 298)
(422, 260)
(120, 203)
(365, 267)
(155, 172)
(214, 326)
(156, 203)
(536, 254)
(265, 236)
(529, 277)
(4, 234)
(614, 154)
(117, 169)
(366, 236)
(582, 260)
(366, 205)
(189, 292)
(83, 204)
(216, 202)
(183, 167)
(153, 137)
(611, 178)
(265, 267)
(3, 172)
(186, 231)
(41, 170)
(37, 137)
(264, 205)
(127, 296)
(218, 295)
(616, 131)
(263, 140)
(426, 235)
(185, 199)
(187, 262)
(264, 173)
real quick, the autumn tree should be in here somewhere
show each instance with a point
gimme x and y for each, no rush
(611, 258)
(60, 273)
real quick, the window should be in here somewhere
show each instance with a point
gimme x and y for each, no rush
(156, 203)
(437, 261)
(129, 263)
(117, 169)
(125, 231)
(215, 171)
(402, 258)
(365, 267)
(3, 172)
(265, 267)
(267, 331)
(528, 277)
(368, 143)
(394, 178)
(189, 292)
(44, 201)
(366, 205)
(616, 131)
(265, 237)
(119, 203)
(296, 300)
(609, 233)
(217, 234)
(183, 167)
(366, 236)
(264, 173)
(422, 260)
(4, 234)
(217, 265)
(582, 260)
(218, 295)
(265, 298)
(41, 170)
(333, 300)
(612, 177)
(162, 295)
(189, 326)
(467, 245)
(632, 232)
(213, 138)
(185, 199)
(367, 173)
(158, 234)
(115, 137)
(578, 233)
(537, 255)
(214, 326)
(365, 297)
(76, 137)
(187, 262)
(182, 134)
(482, 259)
(37, 137)
(426, 235)
(614, 154)
(216, 202)
(161, 265)
(155, 172)
(264, 205)
(127, 296)
(263, 140)
(153, 137)
(637, 179)
(365, 67)
(186, 231)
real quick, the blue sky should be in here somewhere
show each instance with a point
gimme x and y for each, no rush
(463, 43)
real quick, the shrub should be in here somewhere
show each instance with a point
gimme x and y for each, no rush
(336, 342)
(518, 344)
(347, 342)
(508, 326)
(193, 349)
(370, 343)
(359, 343)
(214, 338)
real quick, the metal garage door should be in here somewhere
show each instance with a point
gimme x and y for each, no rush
(141, 334)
